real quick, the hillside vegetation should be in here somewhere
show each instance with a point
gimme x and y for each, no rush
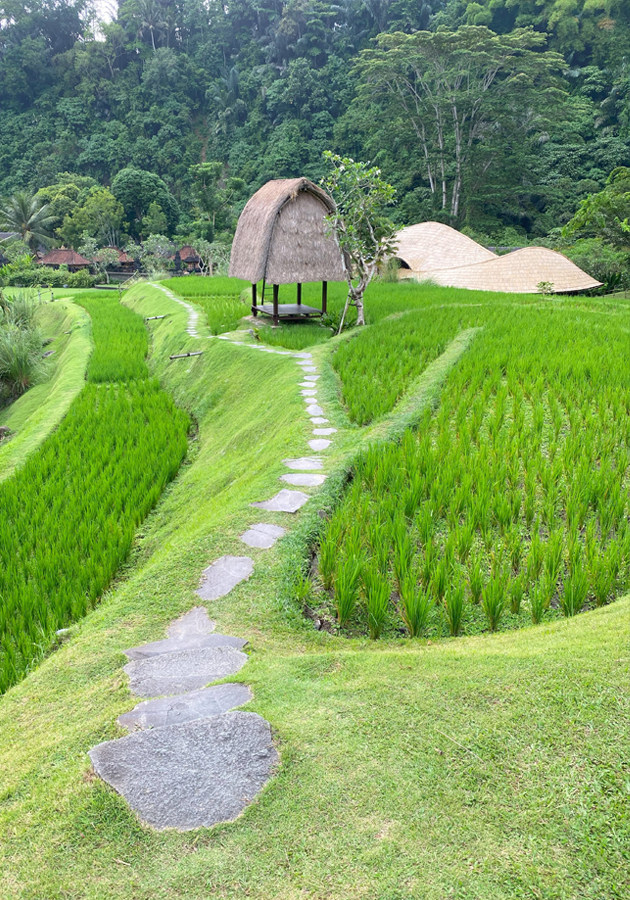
(493, 767)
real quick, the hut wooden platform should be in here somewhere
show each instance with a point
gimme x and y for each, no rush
(281, 238)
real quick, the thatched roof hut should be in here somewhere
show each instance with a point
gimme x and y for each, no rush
(432, 245)
(519, 272)
(64, 256)
(281, 239)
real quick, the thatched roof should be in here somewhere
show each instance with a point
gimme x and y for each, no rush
(519, 272)
(431, 245)
(281, 236)
(64, 257)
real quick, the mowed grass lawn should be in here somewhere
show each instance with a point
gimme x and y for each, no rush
(482, 767)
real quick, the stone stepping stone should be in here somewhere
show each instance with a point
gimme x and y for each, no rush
(311, 379)
(318, 420)
(223, 575)
(303, 355)
(192, 775)
(194, 622)
(303, 462)
(182, 671)
(307, 384)
(319, 444)
(303, 480)
(314, 410)
(308, 392)
(310, 369)
(262, 536)
(184, 642)
(284, 501)
(324, 431)
(211, 701)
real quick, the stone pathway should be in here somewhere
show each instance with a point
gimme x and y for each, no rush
(191, 758)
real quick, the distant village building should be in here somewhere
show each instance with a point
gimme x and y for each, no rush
(281, 238)
(431, 251)
(65, 257)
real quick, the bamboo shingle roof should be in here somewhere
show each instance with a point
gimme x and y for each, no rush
(438, 253)
(519, 272)
(281, 236)
(432, 245)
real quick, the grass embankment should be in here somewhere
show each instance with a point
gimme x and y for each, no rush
(70, 512)
(493, 767)
(33, 416)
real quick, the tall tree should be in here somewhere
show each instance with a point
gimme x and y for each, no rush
(459, 91)
(366, 237)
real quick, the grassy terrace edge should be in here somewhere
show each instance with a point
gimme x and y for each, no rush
(36, 414)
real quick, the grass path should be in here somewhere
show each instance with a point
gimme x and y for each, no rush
(489, 767)
(40, 410)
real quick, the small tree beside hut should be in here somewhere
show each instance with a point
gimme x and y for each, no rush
(365, 236)
(102, 258)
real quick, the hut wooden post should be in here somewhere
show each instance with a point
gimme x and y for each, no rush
(276, 318)
(324, 297)
(254, 308)
(299, 293)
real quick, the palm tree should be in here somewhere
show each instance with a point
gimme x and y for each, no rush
(27, 216)
(152, 18)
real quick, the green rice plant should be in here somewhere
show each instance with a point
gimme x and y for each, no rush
(465, 537)
(121, 340)
(416, 604)
(494, 600)
(403, 551)
(538, 602)
(475, 579)
(602, 579)
(516, 589)
(425, 523)
(535, 557)
(574, 592)
(439, 581)
(301, 588)
(347, 588)
(454, 608)
(554, 555)
(377, 593)
(429, 562)
(329, 551)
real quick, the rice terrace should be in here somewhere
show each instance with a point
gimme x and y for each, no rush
(315, 463)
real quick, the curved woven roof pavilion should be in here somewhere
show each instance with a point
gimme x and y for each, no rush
(431, 251)
(281, 239)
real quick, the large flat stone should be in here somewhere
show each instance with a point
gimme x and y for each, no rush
(303, 462)
(211, 701)
(323, 431)
(311, 379)
(303, 480)
(184, 642)
(284, 501)
(319, 444)
(224, 574)
(194, 622)
(309, 369)
(318, 420)
(309, 392)
(262, 535)
(308, 384)
(314, 410)
(191, 775)
(182, 671)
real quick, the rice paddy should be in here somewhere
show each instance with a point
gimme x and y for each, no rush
(70, 513)
(509, 504)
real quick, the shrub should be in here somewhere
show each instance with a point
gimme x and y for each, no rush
(21, 364)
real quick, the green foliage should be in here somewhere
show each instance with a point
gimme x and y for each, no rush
(137, 189)
(69, 514)
(99, 216)
(347, 588)
(21, 364)
(377, 593)
(416, 604)
(606, 214)
(28, 217)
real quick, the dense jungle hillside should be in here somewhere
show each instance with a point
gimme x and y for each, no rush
(497, 116)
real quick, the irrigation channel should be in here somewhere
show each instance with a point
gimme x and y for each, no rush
(70, 513)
